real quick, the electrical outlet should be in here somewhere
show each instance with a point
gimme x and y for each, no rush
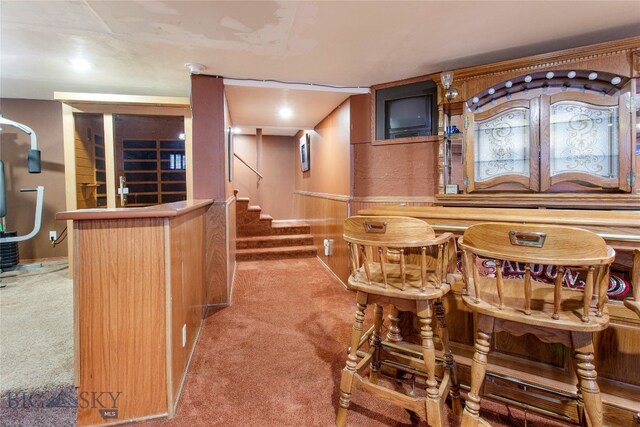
(53, 236)
(184, 334)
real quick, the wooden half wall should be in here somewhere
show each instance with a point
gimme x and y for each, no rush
(221, 251)
(139, 301)
(325, 213)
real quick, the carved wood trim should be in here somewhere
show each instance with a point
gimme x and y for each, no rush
(551, 59)
(635, 63)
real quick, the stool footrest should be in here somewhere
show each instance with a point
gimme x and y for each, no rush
(415, 404)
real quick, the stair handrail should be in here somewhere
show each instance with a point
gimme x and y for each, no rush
(260, 176)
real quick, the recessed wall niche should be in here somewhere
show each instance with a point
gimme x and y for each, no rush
(406, 111)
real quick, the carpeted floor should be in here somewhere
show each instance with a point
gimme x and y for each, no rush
(36, 346)
(273, 358)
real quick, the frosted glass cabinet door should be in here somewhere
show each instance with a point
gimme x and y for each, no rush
(585, 142)
(502, 146)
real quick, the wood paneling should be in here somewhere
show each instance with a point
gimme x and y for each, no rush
(86, 127)
(137, 282)
(119, 276)
(187, 290)
(220, 251)
(616, 351)
(231, 243)
(72, 98)
(325, 217)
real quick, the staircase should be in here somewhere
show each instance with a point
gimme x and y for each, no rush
(259, 237)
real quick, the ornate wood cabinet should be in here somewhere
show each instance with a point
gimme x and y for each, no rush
(502, 145)
(569, 141)
(551, 130)
(585, 139)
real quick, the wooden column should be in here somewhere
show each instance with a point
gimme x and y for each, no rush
(209, 180)
(207, 105)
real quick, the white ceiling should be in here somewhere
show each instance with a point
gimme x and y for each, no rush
(140, 47)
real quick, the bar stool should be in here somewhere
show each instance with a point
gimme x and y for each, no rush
(633, 303)
(549, 311)
(400, 262)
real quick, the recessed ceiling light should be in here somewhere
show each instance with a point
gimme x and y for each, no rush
(285, 112)
(237, 130)
(80, 64)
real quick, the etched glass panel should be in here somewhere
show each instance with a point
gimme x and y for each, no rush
(584, 138)
(502, 145)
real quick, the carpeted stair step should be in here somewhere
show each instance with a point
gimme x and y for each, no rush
(306, 251)
(290, 227)
(255, 242)
(254, 224)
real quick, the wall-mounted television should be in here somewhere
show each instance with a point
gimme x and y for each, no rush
(407, 117)
(407, 111)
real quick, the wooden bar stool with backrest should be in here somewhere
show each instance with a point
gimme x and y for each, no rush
(549, 311)
(400, 262)
(633, 303)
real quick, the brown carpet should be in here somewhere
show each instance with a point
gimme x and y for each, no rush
(274, 357)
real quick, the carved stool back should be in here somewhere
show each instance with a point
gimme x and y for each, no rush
(633, 303)
(519, 305)
(401, 263)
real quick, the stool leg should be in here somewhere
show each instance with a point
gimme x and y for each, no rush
(435, 410)
(376, 343)
(346, 381)
(471, 414)
(587, 375)
(394, 330)
(450, 364)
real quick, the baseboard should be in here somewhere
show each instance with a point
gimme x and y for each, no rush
(178, 395)
(332, 272)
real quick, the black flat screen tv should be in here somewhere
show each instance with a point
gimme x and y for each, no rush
(407, 111)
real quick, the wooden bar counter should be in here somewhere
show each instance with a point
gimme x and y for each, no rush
(139, 301)
(523, 371)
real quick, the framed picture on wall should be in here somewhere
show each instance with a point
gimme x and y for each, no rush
(305, 152)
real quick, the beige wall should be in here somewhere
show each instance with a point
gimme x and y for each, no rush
(330, 155)
(274, 193)
(45, 118)
(322, 196)
(244, 180)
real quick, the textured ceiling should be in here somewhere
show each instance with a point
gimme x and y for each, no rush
(139, 47)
